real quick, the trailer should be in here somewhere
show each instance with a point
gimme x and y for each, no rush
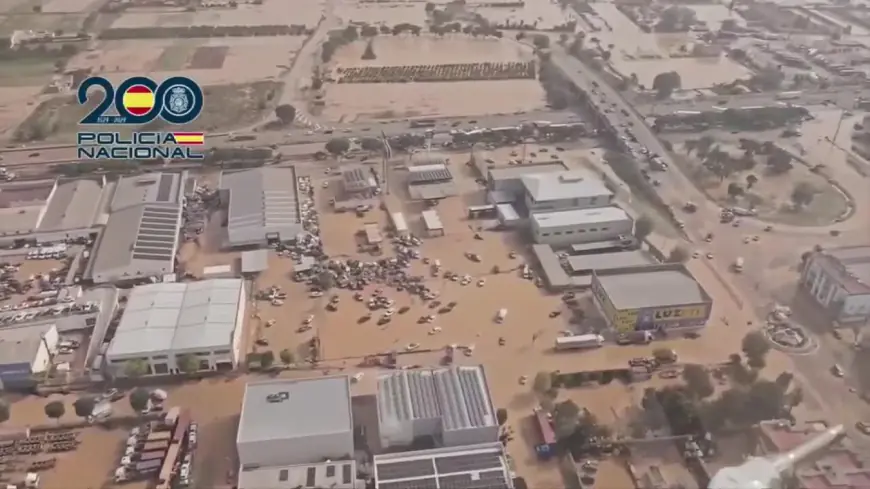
(148, 466)
(158, 436)
(579, 342)
(151, 456)
(181, 427)
(154, 445)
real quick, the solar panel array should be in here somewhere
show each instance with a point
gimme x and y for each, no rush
(482, 470)
(165, 186)
(430, 176)
(357, 179)
(464, 403)
(158, 233)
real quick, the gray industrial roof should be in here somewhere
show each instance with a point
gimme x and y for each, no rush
(518, 171)
(138, 241)
(255, 261)
(295, 408)
(851, 265)
(178, 317)
(574, 184)
(432, 191)
(423, 174)
(471, 467)
(20, 344)
(606, 261)
(576, 217)
(652, 286)
(263, 202)
(556, 276)
(358, 179)
(432, 220)
(150, 188)
(73, 205)
(459, 396)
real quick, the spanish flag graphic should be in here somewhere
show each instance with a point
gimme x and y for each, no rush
(138, 100)
(189, 138)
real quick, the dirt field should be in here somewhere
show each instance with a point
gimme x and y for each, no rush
(271, 12)
(387, 14)
(428, 50)
(543, 14)
(208, 61)
(694, 72)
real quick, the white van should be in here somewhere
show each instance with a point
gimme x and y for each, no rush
(738, 265)
(500, 315)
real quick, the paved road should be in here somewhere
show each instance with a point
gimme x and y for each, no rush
(844, 99)
(67, 153)
(833, 396)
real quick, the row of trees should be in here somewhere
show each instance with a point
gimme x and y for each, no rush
(198, 31)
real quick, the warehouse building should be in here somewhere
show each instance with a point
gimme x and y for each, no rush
(254, 262)
(450, 405)
(481, 466)
(294, 422)
(358, 181)
(340, 474)
(562, 228)
(24, 352)
(653, 297)
(839, 281)
(74, 205)
(587, 264)
(509, 179)
(432, 224)
(141, 237)
(167, 321)
(262, 206)
(562, 191)
(430, 182)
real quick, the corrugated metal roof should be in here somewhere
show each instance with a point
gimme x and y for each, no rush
(577, 217)
(262, 202)
(457, 395)
(652, 286)
(255, 261)
(178, 317)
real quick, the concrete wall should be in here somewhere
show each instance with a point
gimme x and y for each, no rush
(470, 436)
(303, 450)
(567, 204)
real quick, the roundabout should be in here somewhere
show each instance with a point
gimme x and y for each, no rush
(790, 338)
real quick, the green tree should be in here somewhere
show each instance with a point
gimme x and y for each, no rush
(679, 254)
(369, 52)
(735, 190)
(643, 227)
(698, 381)
(286, 357)
(784, 379)
(751, 180)
(755, 345)
(779, 162)
(84, 406)
(136, 367)
(267, 358)
(187, 363)
(653, 415)
(337, 146)
(543, 383)
(665, 83)
(286, 113)
(55, 410)
(802, 194)
(566, 419)
(5, 411)
(541, 41)
(501, 415)
(139, 399)
(325, 280)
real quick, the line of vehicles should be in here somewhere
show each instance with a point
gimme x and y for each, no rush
(160, 449)
(54, 252)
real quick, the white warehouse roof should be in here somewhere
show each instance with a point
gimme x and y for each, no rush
(262, 202)
(577, 217)
(459, 396)
(178, 317)
(295, 408)
(481, 466)
(574, 184)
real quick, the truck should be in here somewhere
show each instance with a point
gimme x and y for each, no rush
(789, 95)
(154, 446)
(158, 436)
(142, 457)
(140, 471)
(422, 123)
(579, 342)
(501, 315)
(738, 265)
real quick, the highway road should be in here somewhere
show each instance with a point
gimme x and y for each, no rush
(54, 154)
(844, 99)
(832, 395)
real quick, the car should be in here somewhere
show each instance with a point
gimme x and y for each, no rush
(308, 320)
(412, 346)
(863, 427)
(325, 184)
(837, 370)
(709, 256)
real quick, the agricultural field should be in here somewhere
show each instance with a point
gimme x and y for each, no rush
(381, 14)
(208, 61)
(544, 15)
(67, 23)
(271, 12)
(360, 101)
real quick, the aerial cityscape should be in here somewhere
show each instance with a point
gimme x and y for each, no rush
(447, 244)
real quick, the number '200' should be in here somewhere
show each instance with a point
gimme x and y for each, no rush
(113, 97)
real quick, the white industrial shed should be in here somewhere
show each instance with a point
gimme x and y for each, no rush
(564, 228)
(262, 206)
(141, 237)
(25, 351)
(295, 421)
(167, 320)
(558, 191)
(452, 405)
(483, 466)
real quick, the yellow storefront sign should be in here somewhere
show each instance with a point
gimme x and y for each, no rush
(627, 321)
